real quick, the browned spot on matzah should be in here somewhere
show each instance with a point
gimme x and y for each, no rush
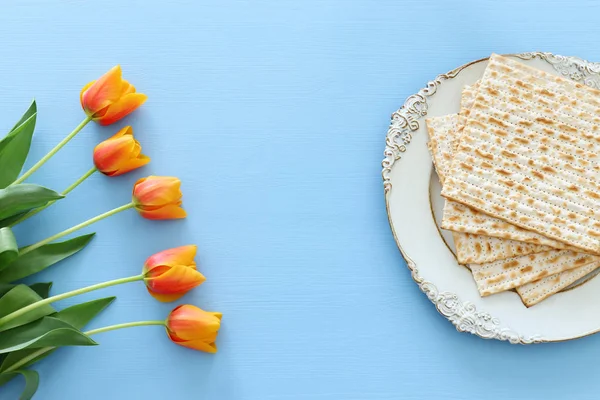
(547, 93)
(488, 246)
(544, 148)
(582, 261)
(503, 172)
(573, 188)
(525, 123)
(493, 92)
(481, 231)
(520, 139)
(537, 174)
(543, 120)
(567, 157)
(542, 274)
(477, 248)
(510, 264)
(498, 208)
(526, 269)
(497, 279)
(466, 166)
(592, 194)
(545, 168)
(594, 234)
(484, 154)
(567, 128)
(507, 154)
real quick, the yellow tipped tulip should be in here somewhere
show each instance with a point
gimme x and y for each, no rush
(172, 273)
(158, 197)
(110, 98)
(192, 327)
(119, 154)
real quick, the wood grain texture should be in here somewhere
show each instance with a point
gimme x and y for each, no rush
(273, 113)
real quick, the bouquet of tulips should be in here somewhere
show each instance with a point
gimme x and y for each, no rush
(30, 327)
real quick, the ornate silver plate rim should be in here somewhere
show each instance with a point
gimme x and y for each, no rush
(405, 121)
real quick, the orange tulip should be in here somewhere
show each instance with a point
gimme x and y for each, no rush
(119, 154)
(110, 98)
(192, 327)
(172, 273)
(158, 197)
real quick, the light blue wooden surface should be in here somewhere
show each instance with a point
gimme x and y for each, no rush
(273, 113)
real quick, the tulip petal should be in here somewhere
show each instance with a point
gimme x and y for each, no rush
(165, 298)
(122, 107)
(132, 164)
(183, 255)
(110, 154)
(103, 92)
(167, 212)
(127, 130)
(199, 344)
(157, 191)
(176, 280)
(86, 87)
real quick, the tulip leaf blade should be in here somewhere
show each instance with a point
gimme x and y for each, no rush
(17, 298)
(14, 147)
(9, 251)
(78, 316)
(23, 197)
(32, 381)
(43, 257)
(43, 332)
(41, 288)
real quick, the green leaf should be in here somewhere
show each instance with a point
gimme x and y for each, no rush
(9, 251)
(15, 147)
(17, 298)
(32, 381)
(44, 332)
(78, 315)
(24, 197)
(43, 257)
(10, 220)
(42, 288)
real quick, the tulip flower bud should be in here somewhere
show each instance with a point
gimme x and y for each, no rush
(119, 154)
(110, 98)
(192, 327)
(172, 273)
(158, 197)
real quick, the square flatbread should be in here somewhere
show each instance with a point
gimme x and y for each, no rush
(534, 292)
(511, 273)
(529, 154)
(469, 248)
(483, 250)
(460, 218)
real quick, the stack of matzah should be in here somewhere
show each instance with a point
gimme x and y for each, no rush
(520, 171)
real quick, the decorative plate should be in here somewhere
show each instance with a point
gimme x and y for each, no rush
(414, 204)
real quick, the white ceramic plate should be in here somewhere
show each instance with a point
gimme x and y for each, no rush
(412, 194)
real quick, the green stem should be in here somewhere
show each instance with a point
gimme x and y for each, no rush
(121, 326)
(66, 295)
(64, 193)
(53, 151)
(25, 360)
(75, 228)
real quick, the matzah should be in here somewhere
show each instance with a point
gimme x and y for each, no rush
(513, 272)
(460, 218)
(480, 249)
(469, 248)
(534, 292)
(529, 154)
